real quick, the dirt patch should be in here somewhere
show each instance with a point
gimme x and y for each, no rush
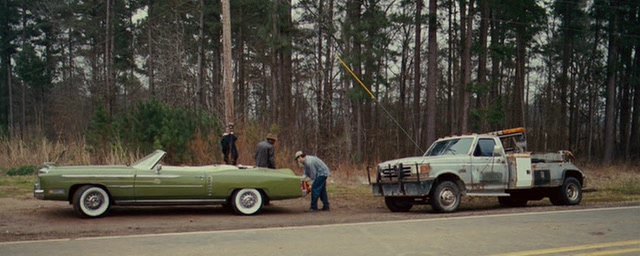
(26, 218)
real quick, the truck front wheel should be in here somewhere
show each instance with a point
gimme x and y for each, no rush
(570, 193)
(445, 197)
(398, 204)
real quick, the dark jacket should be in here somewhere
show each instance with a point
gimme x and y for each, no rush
(265, 155)
(229, 149)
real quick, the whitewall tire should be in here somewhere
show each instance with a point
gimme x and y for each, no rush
(247, 201)
(91, 201)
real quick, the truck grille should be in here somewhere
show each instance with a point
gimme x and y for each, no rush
(395, 172)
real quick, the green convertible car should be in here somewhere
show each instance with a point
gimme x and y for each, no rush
(94, 189)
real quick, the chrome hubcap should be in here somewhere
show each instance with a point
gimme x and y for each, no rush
(572, 192)
(93, 200)
(248, 199)
(447, 197)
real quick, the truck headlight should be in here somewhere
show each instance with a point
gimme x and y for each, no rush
(425, 170)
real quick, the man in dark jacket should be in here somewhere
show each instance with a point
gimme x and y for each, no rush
(265, 152)
(228, 144)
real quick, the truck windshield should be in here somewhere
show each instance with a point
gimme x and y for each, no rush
(458, 146)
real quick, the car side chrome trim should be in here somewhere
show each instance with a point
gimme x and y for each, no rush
(168, 186)
(157, 176)
(120, 186)
(96, 176)
(171, 202)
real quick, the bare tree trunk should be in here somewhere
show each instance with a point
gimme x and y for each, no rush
(610, 115)
(494, 90)
(321, 132)
(107, 59)
(466, 20)
(328, 82)
(274, 67)
(10, 103)
(404, 75)
(353, 49)
(451, 73)
(229, 115)
(201, 79)
(635, 119)
(483, 99)
(151, 58)
(432, 72)
(286, 65)
(625, 100)
(241, 67)
(518, 92)
(417, 72)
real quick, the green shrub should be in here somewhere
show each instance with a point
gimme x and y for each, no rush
(22, 171)
(152, 125)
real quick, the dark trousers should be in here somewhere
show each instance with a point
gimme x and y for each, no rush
(319, 190)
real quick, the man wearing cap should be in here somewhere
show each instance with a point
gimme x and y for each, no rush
(265, 152)
(228, 144)
(316, 170)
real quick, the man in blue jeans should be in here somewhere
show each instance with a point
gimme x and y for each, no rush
(316, 170)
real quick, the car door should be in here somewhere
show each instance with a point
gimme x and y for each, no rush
(169, 183)
(489, 172)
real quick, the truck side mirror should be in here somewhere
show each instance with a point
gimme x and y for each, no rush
(497, 150)
(158, 168)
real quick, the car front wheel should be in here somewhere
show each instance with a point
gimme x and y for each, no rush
(247, 201)
(91, 201)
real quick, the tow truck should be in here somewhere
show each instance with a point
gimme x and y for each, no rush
(494, 164)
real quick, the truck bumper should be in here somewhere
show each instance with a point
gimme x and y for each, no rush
(406, 188)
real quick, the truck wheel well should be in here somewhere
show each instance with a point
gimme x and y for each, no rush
(576, 174)
(453, 178)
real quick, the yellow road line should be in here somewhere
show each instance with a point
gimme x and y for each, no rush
(572, 248)
(614, 252)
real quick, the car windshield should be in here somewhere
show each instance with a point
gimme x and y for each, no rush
(459, 146)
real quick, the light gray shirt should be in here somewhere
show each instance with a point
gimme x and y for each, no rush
(315, 167)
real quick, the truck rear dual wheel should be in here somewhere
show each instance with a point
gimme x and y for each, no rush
(570, 193)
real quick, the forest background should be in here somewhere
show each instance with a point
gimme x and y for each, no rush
(105, 81)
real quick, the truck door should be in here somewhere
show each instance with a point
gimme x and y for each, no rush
(488, 172)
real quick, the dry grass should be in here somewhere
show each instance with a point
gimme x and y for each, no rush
(16, 153)
(612, 183)
(616, 183)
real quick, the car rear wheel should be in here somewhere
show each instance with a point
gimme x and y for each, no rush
(247, 201)
(398, 204)
(445, 197)
(91, 201)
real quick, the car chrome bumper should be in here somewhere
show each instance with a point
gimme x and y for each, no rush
(38, 194)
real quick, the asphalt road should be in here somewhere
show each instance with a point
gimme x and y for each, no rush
(603, 231)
